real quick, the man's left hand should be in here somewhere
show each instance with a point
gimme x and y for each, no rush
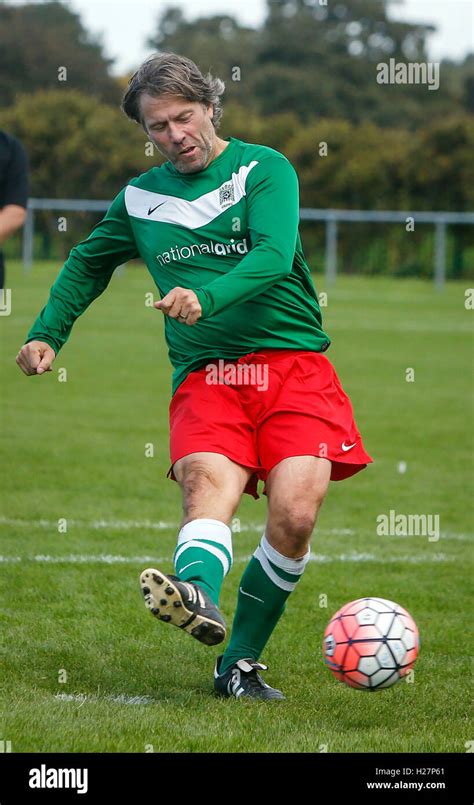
(181, 304)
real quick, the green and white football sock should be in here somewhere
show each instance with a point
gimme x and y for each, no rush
(203, 555)
(268, 580)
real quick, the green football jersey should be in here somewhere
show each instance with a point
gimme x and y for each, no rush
(228, 232)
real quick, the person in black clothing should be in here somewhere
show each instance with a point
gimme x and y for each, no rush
(13, 190)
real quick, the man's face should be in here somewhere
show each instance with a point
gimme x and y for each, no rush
(175, 125)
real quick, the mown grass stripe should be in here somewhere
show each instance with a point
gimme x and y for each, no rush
(161, 525)
(110, 559)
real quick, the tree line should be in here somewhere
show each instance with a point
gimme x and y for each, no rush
(305, 84)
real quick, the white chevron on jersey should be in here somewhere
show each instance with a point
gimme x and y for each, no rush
(191, 214)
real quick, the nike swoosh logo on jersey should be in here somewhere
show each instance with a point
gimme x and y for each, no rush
(152, 209)
(347, 447)
(251, 596)
(191, 214)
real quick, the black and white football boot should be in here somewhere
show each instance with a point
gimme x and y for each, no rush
(243, 681)
(184, 604)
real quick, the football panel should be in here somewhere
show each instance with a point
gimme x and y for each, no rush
(398, 650)
(339, 653)
(366, 648)
(404, 612)
(351, 659)
(337, 630)
(356, 680)
(353, 607)
(410, 658)
(338, 674)
(385, 657)
(329, 645)
(368, 665)
(368, 632)
(384, 622)
(384, 678)
(366, 616)
(397, 628)
(409, 639)
(380, 604)
(349, 624)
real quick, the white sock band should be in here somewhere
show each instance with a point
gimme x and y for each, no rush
(283, 584)
(295, 566)
(265, 554)
(192, 534)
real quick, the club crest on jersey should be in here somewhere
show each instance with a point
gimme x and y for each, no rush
(226, 195)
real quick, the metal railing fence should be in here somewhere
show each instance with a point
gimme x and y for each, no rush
(440, 220)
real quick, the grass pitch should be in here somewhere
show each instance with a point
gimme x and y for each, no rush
(84, 510)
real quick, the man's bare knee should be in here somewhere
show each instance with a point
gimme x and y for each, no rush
(211, 486)
(289, 529)
(197, 477)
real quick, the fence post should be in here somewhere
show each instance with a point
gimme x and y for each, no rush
(331, 250)
(28, 236)
(440, 254)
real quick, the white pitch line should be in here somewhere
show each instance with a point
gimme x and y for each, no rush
(109, 559)
(84, 559)
(121, 699)
(452, 535)
(411, 559)
(161, 525)
(121, 525)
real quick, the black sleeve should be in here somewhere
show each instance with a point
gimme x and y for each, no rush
(14, 182)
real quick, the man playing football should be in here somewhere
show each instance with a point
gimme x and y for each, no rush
(217, 226)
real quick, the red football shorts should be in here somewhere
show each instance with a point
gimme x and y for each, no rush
(264, 407)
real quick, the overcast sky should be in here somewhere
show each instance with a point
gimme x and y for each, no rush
(125, 24)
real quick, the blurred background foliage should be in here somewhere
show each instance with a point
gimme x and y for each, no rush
(307, 76)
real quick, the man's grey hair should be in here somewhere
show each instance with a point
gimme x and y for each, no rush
(167, 74)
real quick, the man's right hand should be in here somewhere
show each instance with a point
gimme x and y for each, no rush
(35, 358)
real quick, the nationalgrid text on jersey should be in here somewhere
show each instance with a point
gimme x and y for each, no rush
(183, 253)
